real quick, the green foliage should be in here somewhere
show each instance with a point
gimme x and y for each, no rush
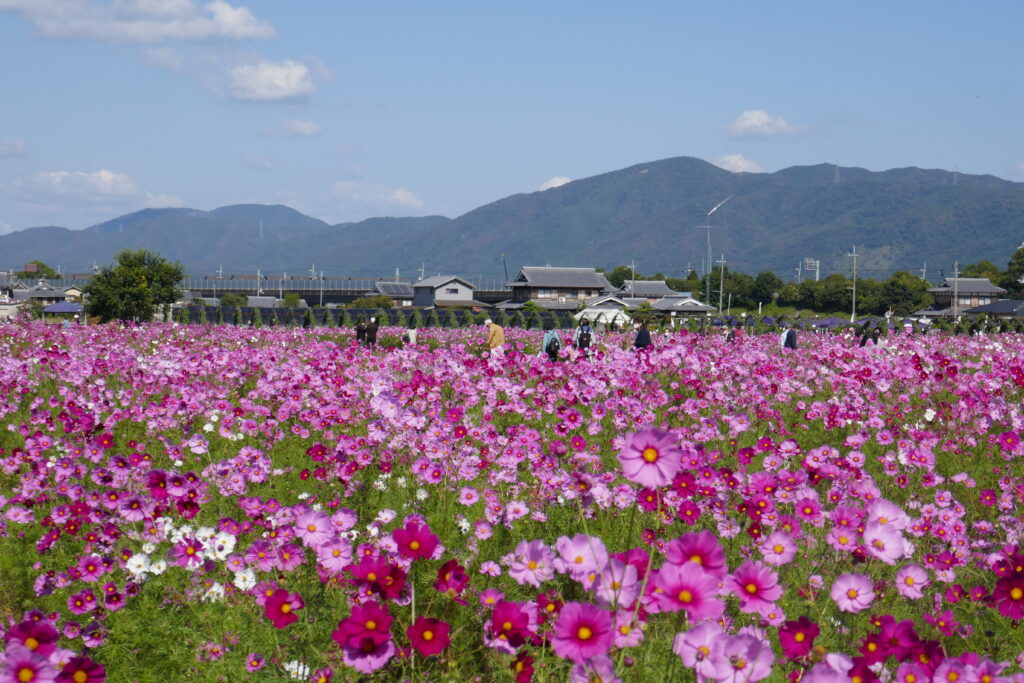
(291, 300)
(233, 299)
(202, 314)
(519, 320)
(184, 316)
(275, 321)
(220, 315)
(374, 301)
(415, 320)
(237, 320)
(382, 318)
(308, 319)
(133, 287)
(346, 319)
(257, 319)
(42, 272)
(432, 319)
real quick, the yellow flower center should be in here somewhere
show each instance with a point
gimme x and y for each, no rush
(584, 633)
(31, 643)
(685, 596)
(650, 454)
(80, 676)
(371, 625)
(531, 564)
(507, 626)
(26, 674)
(371, 577)
(286, 608)
(800, 637)
(428, 635)
(311, 527)
(778, 548)
(1016, 593)
(852, 594)
(751, 588)
(415, 545)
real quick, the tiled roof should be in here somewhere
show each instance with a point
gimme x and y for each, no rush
(649, 289)
(967, 285)
(1001, 307)
(440, 280)
(547, 276)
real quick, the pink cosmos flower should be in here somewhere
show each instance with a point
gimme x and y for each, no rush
(532, 563)
(334, 555)
(21, 664)
(618, 584)
(741, 659)
(689, 588)
(650, 457)
(884, 542)
(797, 637)
(756, 586)
(582, 631)
(778, 549)
(366, 655)
(39, 637)
(581, 556)
(82, 669)
(187, 553)
(599, 668)
(695, 645)
(314, 528)
(911, 580)
(700, 548)
(853, 592)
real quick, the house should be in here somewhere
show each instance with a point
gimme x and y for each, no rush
(1003, 308)
(682, 304)
(400, 292)
(651, 290)
(557, 288)
(45, 293)
(444, 291)
(968, 292)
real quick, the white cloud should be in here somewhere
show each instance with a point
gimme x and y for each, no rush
(12, 148)
(140, 21)
(99, 185)
(5, 228)
(757, 123)
(375, 194)
(257, 162)
(299, 128)
(557, 181)
(267, 81)
(737, 163)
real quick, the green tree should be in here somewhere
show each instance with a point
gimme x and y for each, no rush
(42, 271)
(291, 300)
(983, 269)
(257, 319)
(133, 287)
(233, 299)
(905, 293)
(1013, 279)
(237, 320)
(309, 320)
(767, 286)
(374, 301)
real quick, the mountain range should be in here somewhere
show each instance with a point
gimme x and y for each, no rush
(652, 214)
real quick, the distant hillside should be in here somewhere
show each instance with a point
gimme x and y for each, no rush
(648, 213)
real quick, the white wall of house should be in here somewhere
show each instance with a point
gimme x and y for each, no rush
(453, 291)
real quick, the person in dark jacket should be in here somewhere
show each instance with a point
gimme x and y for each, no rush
(790, 342)
(583, 338)
(642, 342)
(371, 333)
(360, 331)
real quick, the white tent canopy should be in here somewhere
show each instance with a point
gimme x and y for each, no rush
(600, 318)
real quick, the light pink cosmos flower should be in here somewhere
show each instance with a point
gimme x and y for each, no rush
(778, 549)
(650, 457)
(618, 584)
(853, 592)
(741, 659)
(689, 588)
(695, 645)
(911, 580)
(884, 542)
(314, 528)
(581, 556)
(532, 563)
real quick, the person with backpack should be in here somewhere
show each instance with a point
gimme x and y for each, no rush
(371, 334)
(551, 344)
(583, 338)
(790, 340)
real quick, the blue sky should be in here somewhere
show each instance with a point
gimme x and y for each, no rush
(349, 110)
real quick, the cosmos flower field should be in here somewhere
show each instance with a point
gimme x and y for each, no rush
(202, 503)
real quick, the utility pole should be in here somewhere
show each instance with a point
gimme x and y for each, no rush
(632, 275)
(956, 289)
(259, 277)
(321, 289)
(924, 272)
(422, 270)
(853, 315)
(799, 272)
(707, 226)
(721, 282)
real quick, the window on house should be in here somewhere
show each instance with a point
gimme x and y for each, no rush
(545, 294)
(451, 290)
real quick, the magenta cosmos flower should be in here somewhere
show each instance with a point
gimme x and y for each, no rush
(581, 556)
(415, 541)
(853, 592)
(689, 588)
(429, 636)
(702, 549)
(532, 563)
(650, 457)
(582, 631)
(281, 607)
(741, 659)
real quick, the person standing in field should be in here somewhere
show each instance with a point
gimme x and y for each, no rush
(371, 333)
(360, 330)
(551, 344)
(495, 340)
(583, 338)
